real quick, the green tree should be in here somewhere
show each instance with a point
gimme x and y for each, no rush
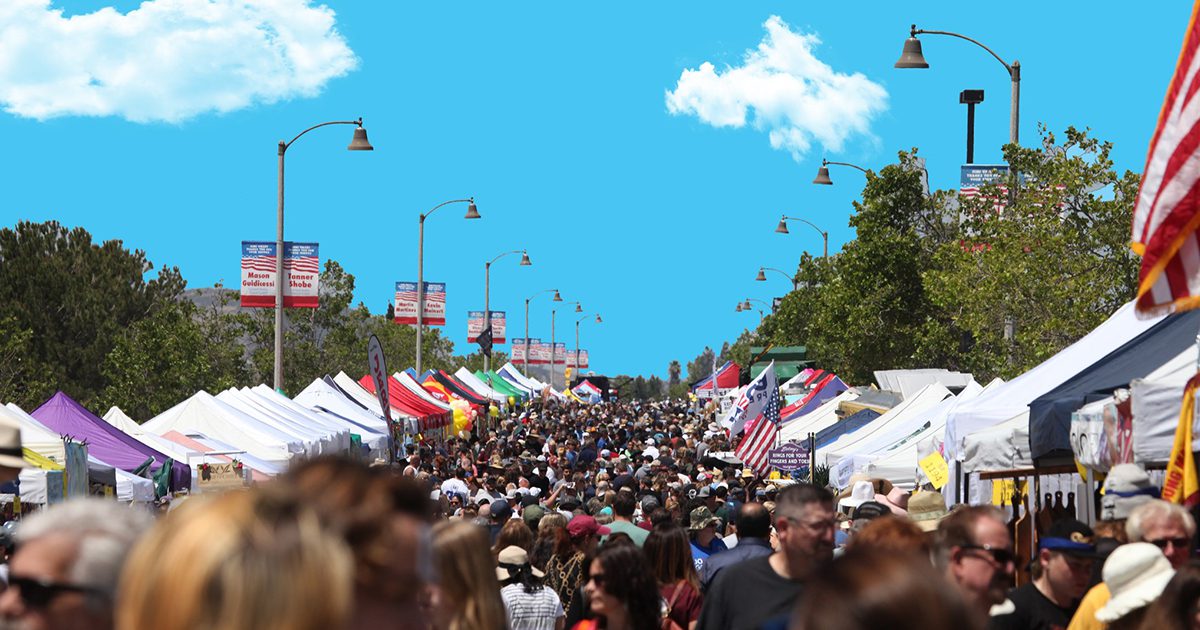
(20, 377)
(701, 366)
(1052, 263)
(76, 297)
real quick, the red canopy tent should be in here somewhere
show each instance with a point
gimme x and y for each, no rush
(727, 378)
(428, 416)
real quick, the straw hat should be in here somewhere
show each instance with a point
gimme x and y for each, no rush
(1136, 574)
(10, 443)
(927, 509)
(510, 560)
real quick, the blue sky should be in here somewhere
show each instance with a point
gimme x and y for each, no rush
(159, 128)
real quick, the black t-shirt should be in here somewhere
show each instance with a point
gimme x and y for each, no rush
(1033, 612)
(747, 595)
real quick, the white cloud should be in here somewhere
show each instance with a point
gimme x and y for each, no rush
(795, 97)
(168, 60)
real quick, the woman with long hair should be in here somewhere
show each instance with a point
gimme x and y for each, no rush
(670, 558)
(622, 592)
(567, 569)
(547, 539)
(529, 604)
(467, 593)
(253, 560)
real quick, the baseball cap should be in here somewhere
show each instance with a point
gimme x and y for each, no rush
(584, 525)
(870, 510)
(1071, 537)
(500, 510)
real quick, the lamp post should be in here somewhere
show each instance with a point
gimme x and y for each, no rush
(762, 277)
(782, 228)
(598, 321)
(578, 309)
(556, 298)
(487, 295)
(357, 143)
(912, 57)
(746, 306)
(472, 213)
(823, 172)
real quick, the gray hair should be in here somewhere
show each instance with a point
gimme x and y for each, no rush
(1157, 511)
(104, 530)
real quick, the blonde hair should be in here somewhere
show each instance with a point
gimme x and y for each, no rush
(467, 575)
(254, 559)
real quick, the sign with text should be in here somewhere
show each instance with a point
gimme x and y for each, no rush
(560, 354)
(218, 477)
(935, 468)
(435, 303)
(518, 349)
(377, 365)
(301, 274)
(539, 353)
(789, 458)
(475, 326)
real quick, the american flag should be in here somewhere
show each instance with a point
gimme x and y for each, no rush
(1167, 212)
(762, 436)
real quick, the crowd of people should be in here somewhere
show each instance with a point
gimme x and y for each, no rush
(613, 515)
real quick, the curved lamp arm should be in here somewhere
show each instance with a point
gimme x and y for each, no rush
(917, 31)
(825, 162)
(283, 146)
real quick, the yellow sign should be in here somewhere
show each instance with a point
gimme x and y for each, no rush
(1004, 489)
(934, 467)
(109, 491)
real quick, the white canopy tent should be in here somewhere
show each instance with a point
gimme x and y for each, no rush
(321, 395)
(909, 382)
(898, 422)
(205, 414)
(316, 442)
(823, 416)
(1012, 399)
(374, 439)
(174, 450)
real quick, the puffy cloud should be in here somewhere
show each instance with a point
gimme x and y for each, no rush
(794, 96)
(168, 60)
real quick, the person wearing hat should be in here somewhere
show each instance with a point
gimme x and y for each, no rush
(499, 512)
(528, 604)
(11, 458)
(1061, 573)
(1167, 526)
(702, 530)
(566, 571)
(1136, 574)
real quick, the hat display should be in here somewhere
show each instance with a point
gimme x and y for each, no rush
(1126, 487)
(1071, 537)
(701, 517)
(511, 560)
(1136, 575)
(896, 500)
(869, 510)
(862, 492)
(927, 509)
(584, 525)
(10, 443)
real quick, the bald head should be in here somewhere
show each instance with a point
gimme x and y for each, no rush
(753, 521)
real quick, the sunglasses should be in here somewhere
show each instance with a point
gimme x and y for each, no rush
(598, 579)
(999, 555)
(39, 593)
(1178, 543)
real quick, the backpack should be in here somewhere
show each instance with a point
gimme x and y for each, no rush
(667, 622)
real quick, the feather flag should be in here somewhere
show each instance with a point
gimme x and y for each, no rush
(1181, 484)
(1167, 213)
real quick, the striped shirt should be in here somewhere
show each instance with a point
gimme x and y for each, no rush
(538, 610)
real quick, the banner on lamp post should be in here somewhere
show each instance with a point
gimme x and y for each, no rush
(301, 274)
(475, 326)
(560, 354)
(435, 303)
(539, 353)
(518, 350)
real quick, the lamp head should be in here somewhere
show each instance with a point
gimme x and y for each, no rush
(578, 307)
(598, 320)
(557, 297)
(823, 176)
(761, 277)
(525, 259)
(472, 211)
(359, 142)
(738, 308)
(911, 56)
(782, 228)
(746, 306)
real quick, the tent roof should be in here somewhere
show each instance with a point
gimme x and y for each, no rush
(203, 413)
(105, 441)
(1050, 414)
(899, 422)
(727, 377)
(827, 388)
(1013, 398)
(472, 381)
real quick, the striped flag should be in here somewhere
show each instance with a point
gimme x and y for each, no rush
(1167, 212)
(762, 436)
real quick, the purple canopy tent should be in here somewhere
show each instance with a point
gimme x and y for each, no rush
(105, 442)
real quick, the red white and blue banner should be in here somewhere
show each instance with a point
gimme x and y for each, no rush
(518, 349)
(539, 353)
(560, 354)
(583, 359)
(301, 274)
(475, 326)
(435, 303)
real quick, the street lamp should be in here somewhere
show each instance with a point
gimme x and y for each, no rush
(912, 57)
(553, 347)
(472, 213)
(746, 306)
(782, 228)
(487, 295)
(823, 172)
(357, 143)
(598, 321)
(762, 277)
(556, 298)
